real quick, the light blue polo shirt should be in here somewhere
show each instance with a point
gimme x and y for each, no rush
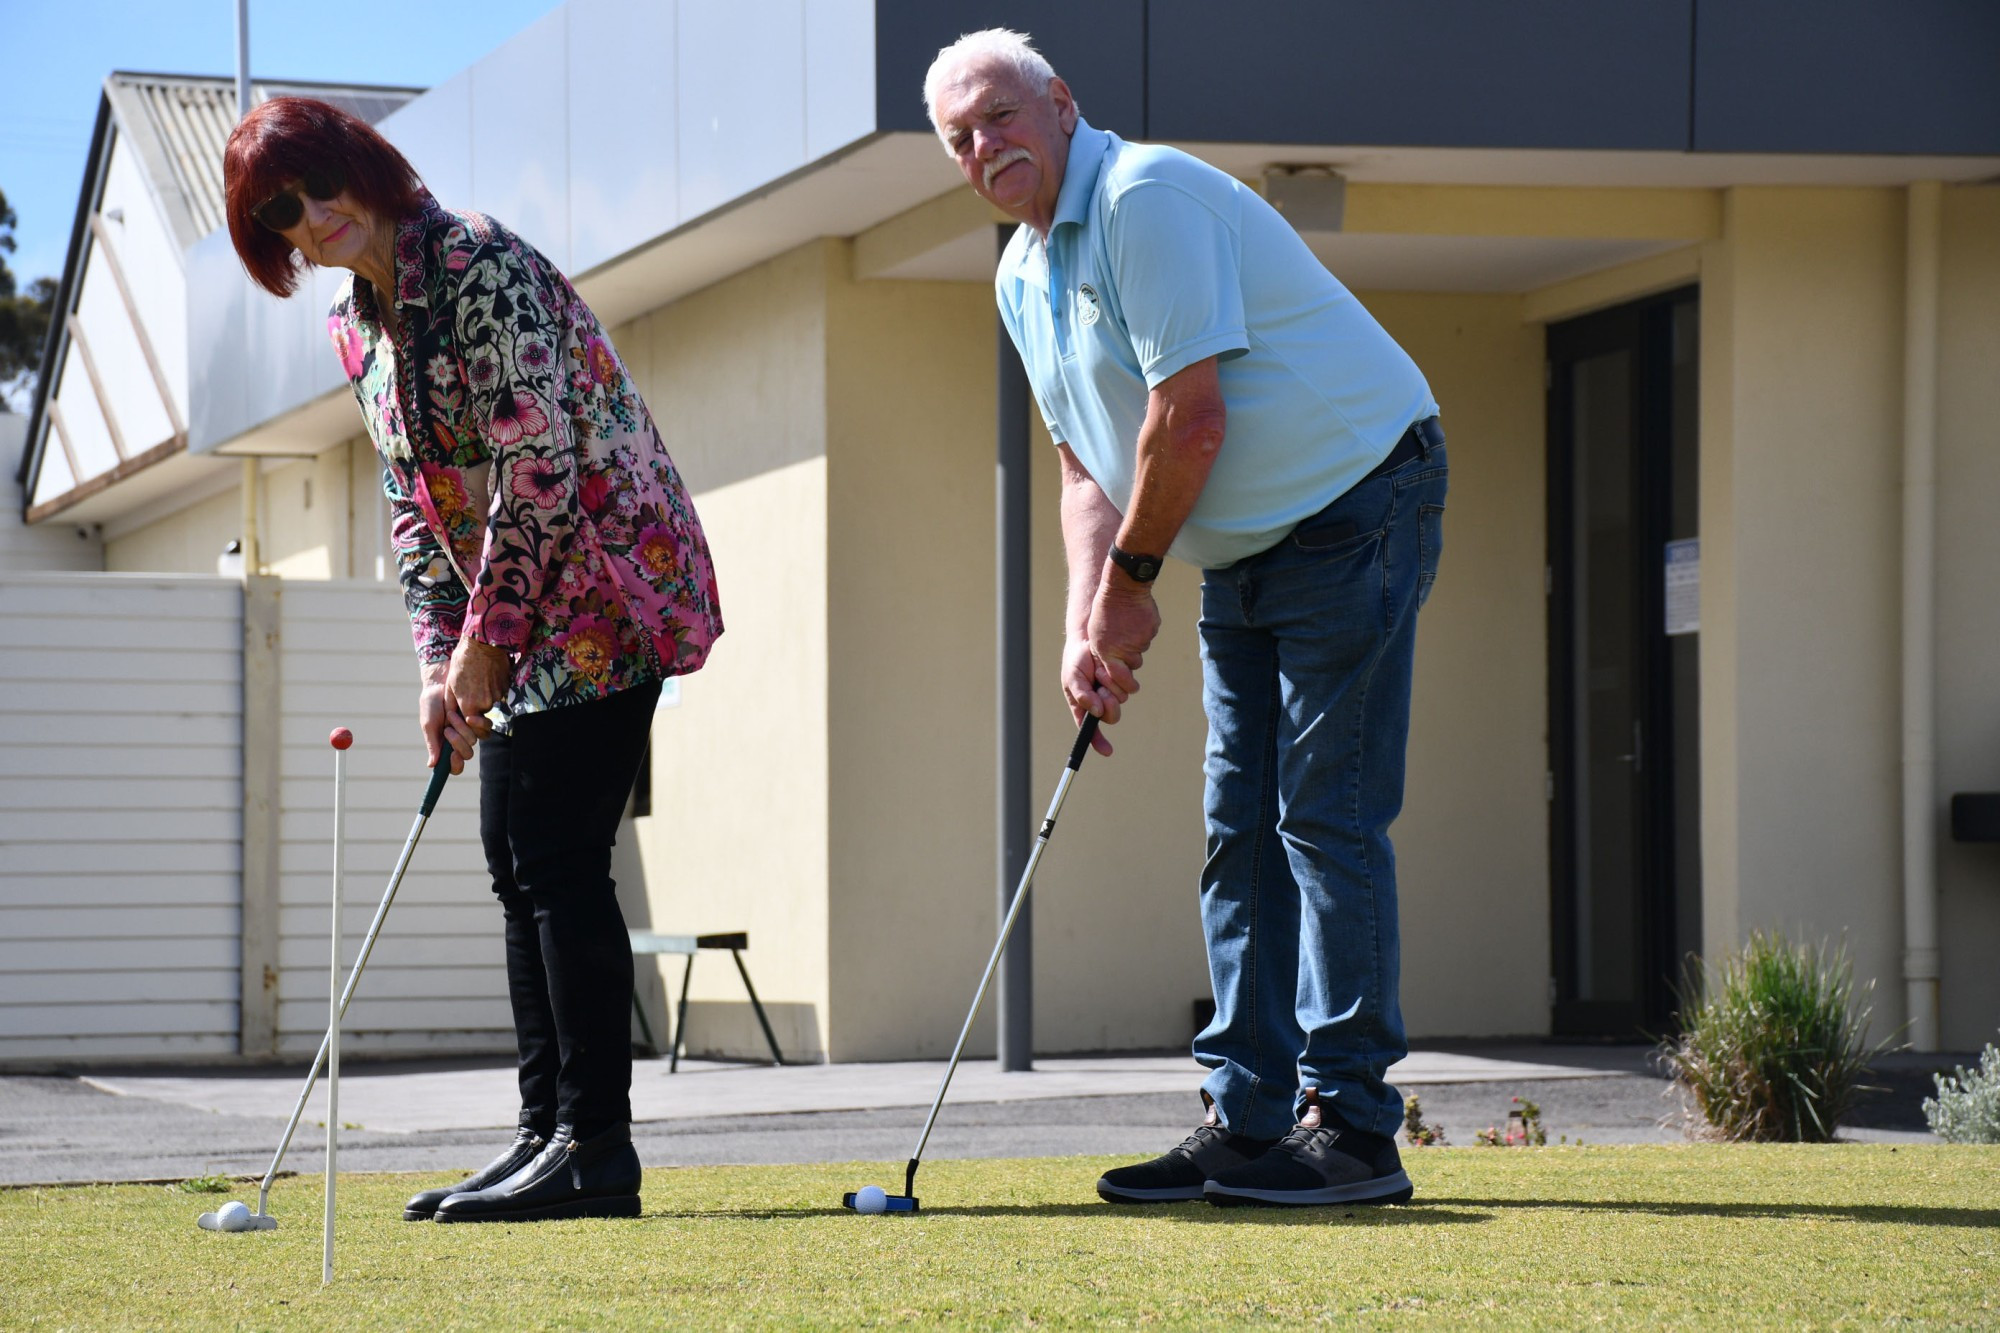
(1156, 260)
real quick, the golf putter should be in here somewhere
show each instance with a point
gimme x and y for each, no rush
(261, 1220)
(906, 1202)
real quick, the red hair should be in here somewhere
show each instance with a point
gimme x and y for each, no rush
(274, 146)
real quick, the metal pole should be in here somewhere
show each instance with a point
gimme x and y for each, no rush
(1015, 1007)
(242, 58)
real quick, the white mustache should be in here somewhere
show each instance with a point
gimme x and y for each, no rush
(1002, 162)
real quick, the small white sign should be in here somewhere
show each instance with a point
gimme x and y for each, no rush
(670, 692)
(1684, 586)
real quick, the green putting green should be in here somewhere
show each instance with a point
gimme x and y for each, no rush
(1703, 1234)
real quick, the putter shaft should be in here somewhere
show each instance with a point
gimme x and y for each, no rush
(1076, 754)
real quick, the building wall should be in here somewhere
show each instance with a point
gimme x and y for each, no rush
(318, 518)
(1968, 727)
(1472, 844)
(1804, 430)
(738, 835)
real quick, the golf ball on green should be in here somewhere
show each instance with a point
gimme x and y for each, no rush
(871, 1199)
(233, 1216)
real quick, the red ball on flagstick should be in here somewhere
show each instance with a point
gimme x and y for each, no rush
(341, 738)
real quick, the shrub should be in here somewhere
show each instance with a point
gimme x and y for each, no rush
(1774, 1049)
(1420, 1132)
(1967, 1106)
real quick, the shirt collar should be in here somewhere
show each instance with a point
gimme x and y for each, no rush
(410, 234)
(1087, 147)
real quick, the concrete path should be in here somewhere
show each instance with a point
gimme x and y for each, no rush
(140, 1125)
(404, 1099)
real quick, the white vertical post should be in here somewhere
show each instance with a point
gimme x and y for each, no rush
(1920, 486)
(242, 58)
(333, 1002)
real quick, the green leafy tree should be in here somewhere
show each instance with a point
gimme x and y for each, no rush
(24, 316)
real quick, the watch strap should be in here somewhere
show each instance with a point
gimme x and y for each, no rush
(1142, 568)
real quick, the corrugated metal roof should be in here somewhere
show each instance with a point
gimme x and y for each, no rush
(181, 122)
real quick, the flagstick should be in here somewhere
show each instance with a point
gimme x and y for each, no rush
(342, 738)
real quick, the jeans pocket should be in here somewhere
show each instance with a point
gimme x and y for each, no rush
(1430, 545)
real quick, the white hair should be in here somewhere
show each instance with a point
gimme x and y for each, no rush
(1014, 49)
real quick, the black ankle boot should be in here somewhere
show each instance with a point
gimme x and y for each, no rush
(519, 1153)
(595, 1177)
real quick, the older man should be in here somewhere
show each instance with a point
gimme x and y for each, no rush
(1217, 396)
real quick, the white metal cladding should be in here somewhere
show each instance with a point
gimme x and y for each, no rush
(600, 128)
(120, 816)
(436, 981)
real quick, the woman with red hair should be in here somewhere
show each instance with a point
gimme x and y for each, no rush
(555, 574)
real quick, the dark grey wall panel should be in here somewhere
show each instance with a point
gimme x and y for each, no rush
(1452, 73)
(1848, 76)
(1098, 46)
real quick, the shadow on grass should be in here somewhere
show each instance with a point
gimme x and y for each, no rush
(1194, 1212)
(1863, 1212)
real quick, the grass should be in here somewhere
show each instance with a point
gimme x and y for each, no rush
(1707, 1234)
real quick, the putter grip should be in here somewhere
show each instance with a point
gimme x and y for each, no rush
(1082, 746)
(439, 773)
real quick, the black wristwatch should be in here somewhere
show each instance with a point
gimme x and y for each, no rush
(1142, 568)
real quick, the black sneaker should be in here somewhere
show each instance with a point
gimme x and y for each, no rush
(1316, 1164)
(1177, 1175)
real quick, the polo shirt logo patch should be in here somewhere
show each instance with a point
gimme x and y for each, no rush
(1086, 304)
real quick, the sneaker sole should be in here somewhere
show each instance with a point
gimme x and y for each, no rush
(1119, 1194)
(1386, 1189)
(617, 1206)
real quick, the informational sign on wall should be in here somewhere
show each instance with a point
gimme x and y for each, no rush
(1683, 566)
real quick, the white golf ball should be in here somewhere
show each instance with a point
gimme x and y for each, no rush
(233, 1216)
(871, 1199)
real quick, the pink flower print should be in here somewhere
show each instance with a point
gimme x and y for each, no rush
(443, 370)
(603, 361)
(580, 381)
(484, 370)
(657, 552)
(591, 645)
(516, 420)
(538, 480)
(595, 493)
(347, 342)
(533, 354)
(503, 627)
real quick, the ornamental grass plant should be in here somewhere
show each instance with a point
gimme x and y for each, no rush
(1773, 1048)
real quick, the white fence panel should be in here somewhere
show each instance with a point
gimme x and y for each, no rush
(436, 981)
(120, 816)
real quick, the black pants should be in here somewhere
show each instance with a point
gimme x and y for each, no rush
(550, 798)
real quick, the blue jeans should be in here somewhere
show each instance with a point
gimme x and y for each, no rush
(1306, 653)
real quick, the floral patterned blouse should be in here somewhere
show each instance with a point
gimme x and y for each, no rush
(533, 504)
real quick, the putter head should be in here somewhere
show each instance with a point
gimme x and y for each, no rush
(896, 1203)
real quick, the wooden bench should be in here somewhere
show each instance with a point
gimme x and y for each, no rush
(646, 942)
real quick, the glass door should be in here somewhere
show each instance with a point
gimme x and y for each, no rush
(1624, 820)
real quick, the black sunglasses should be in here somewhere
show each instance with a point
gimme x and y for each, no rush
(282, 211)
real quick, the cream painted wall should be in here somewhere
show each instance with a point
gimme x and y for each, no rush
(1800, 598)
(318, 518)
(1472, 844)
(736, 378)
(185, 542)
(1968, 612)
(910, 623)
